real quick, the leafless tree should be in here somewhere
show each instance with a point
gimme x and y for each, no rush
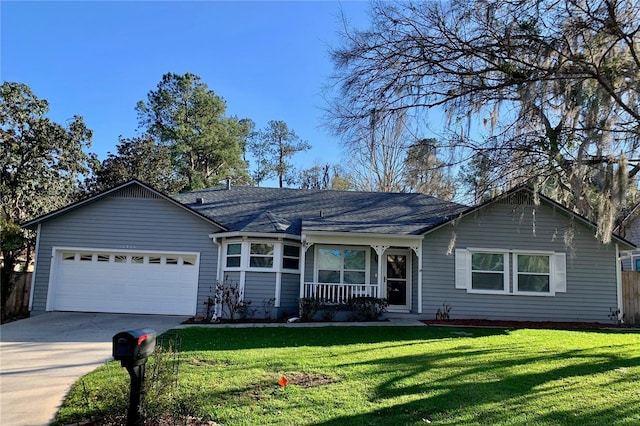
(556, 84)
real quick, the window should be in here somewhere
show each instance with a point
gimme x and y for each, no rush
(290, 257)
(347, 266)
(189, 260)
(103, 257)
(171, 260)
(637, 263)
(120, 258)
(69, 255)
(234, 252)
(137, 259)
(86, 257)
(533, 273)
(261, 255)
(488, 271)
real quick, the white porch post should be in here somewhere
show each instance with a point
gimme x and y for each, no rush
(380, 249)
(303, 261)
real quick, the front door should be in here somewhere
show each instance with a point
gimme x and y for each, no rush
(397, 279)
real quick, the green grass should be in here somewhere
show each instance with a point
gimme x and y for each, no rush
(391, 376)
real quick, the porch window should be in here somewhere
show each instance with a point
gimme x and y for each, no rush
(533, 273)
(342, 266)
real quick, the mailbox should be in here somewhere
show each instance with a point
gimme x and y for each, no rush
(133, 347)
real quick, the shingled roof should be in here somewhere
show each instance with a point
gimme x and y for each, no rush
(290, 211)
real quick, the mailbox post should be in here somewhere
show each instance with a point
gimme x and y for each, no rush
(132, 348)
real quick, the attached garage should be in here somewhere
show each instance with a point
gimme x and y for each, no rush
(95, 280)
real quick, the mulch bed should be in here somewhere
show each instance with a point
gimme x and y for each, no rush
(525, 324)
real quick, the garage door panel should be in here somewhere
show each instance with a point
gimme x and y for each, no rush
(103, 281)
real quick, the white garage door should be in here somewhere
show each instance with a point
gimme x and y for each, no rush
(125, 282)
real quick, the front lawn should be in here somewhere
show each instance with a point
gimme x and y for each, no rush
(387, 376)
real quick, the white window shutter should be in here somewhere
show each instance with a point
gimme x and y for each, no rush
(560, 273)
(463, 265)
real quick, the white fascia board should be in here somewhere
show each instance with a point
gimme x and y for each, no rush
(240, 234)
(359, 238)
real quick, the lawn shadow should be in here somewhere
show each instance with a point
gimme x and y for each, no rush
(450, 399)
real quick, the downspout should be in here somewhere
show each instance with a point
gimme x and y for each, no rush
(35, 267)
(303, 261)
(420, 284)
(214, 239)
(217, 311)
(619, 283)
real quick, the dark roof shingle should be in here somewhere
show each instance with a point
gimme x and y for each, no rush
(285, 210)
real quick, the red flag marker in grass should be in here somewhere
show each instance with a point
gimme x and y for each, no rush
(283, 381)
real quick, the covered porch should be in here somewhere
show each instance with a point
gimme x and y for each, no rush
(342, 266)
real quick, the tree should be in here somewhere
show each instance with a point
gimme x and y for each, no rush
(41, 164)
(425, 173)
(327, 176)
(273, 147)
(141, 158)
(557, 84)
(206, 146)
(377, 148)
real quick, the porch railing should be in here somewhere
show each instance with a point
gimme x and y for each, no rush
(339, 293)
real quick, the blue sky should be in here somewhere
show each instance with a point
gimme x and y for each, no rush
(268, 60)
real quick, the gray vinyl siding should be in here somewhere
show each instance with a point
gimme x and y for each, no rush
(231, 277)
(629, 260)
(259, 287)
(127, 223)
(591, 266)
(309, 265)
(289, 294)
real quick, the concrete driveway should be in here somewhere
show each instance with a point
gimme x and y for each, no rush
(41, 357)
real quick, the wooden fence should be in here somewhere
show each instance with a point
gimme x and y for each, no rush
(18, 302)
(631, 297)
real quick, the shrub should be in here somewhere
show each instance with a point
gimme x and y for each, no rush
(367, 308)
(309, 307)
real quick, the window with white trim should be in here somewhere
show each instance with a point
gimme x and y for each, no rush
(290, 257)
(69, 255)
(341, 265)
(234, 255)
(261, 255)
(489, 272)
(533, 273)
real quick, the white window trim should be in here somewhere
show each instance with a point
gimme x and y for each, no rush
(292, 244)
(245, 255)
(272, 256)
(551, 274)
(505, 272)
(367, 265)
(557, 272)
